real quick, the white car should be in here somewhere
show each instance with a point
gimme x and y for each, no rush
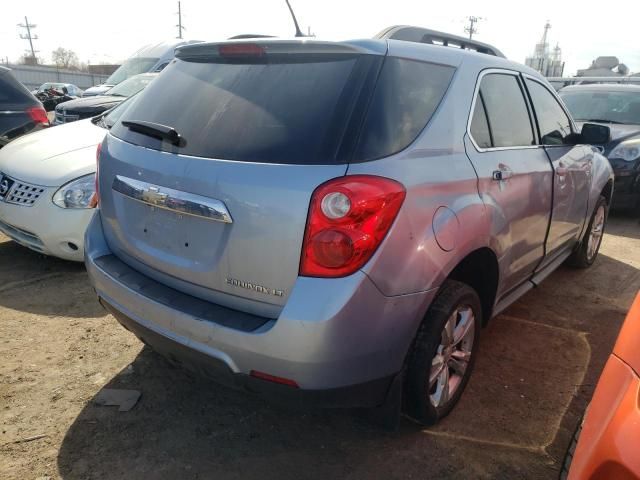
(47, 180)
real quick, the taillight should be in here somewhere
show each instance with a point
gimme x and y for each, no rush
(348, 219)
(95, 200)
(38, 115)
(241, 50)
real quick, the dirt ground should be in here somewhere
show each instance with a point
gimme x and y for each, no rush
(537, 369)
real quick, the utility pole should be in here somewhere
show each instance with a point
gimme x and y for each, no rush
(180, 27)
(471, 29)
(28, 26)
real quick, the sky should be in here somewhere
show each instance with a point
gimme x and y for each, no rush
(108, 32)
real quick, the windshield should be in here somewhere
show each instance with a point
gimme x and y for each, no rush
(602, 106)
(130, 86)
(131, 67)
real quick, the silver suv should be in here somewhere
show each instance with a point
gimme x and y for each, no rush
(333, 223)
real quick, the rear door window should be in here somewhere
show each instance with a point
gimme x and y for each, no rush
(507, 113)
(480, 126)
(553, 122)
(406, 97)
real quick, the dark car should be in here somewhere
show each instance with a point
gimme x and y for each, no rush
(618, 107)
(91, 106)
(20, 111)
(53, 94)
(72, 90)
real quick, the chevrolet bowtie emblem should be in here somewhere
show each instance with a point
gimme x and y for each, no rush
(154, 196)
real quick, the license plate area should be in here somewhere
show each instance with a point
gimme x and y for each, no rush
(176, 243)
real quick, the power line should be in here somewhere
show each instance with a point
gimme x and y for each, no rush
(471, 29)
(179, 25)
(29, 36)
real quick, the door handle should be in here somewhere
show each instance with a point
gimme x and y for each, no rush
(502, 173)
(561, 170)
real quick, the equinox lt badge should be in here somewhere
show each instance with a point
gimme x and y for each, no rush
(254, 287)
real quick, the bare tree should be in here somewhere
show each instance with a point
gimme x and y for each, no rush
(64, 58)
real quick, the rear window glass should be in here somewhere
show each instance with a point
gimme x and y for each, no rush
(304, 109)
(13, 92)
(271, 113)
(406, 96)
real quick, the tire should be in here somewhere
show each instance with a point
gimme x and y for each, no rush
(425, 400)
(571, 450)
(587, 252)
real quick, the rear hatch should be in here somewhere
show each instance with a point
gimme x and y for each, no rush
(206, 178)
(220, 212)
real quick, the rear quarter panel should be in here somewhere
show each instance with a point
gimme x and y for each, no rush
(437, 176)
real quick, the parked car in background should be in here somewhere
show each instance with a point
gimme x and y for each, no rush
(71, 89)
(605, 445)
(49, 180)
(618, 107)
(20, 111)
(334, 222)
(150, 58)
(91, 106)
(51, 94)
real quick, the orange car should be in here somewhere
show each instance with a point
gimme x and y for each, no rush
(608, 447)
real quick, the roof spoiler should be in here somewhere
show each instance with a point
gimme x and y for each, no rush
(244, 36)
(433, 37)
(265, 47)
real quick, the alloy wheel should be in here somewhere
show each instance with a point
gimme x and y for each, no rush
(595, 235)
(452, 357)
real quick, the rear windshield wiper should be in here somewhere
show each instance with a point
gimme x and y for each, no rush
(602, 120)
(155, 130)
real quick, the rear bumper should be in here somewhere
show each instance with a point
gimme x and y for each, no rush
(340, 340)
(608, 444)
(370, 393)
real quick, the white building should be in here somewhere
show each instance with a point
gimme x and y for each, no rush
(545, 60)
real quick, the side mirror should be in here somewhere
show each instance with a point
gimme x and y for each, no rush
(593, 134)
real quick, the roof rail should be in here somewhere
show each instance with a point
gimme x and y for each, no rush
(433, 37)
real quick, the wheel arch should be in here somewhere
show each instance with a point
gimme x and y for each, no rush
(480, 270)
(607, 191)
